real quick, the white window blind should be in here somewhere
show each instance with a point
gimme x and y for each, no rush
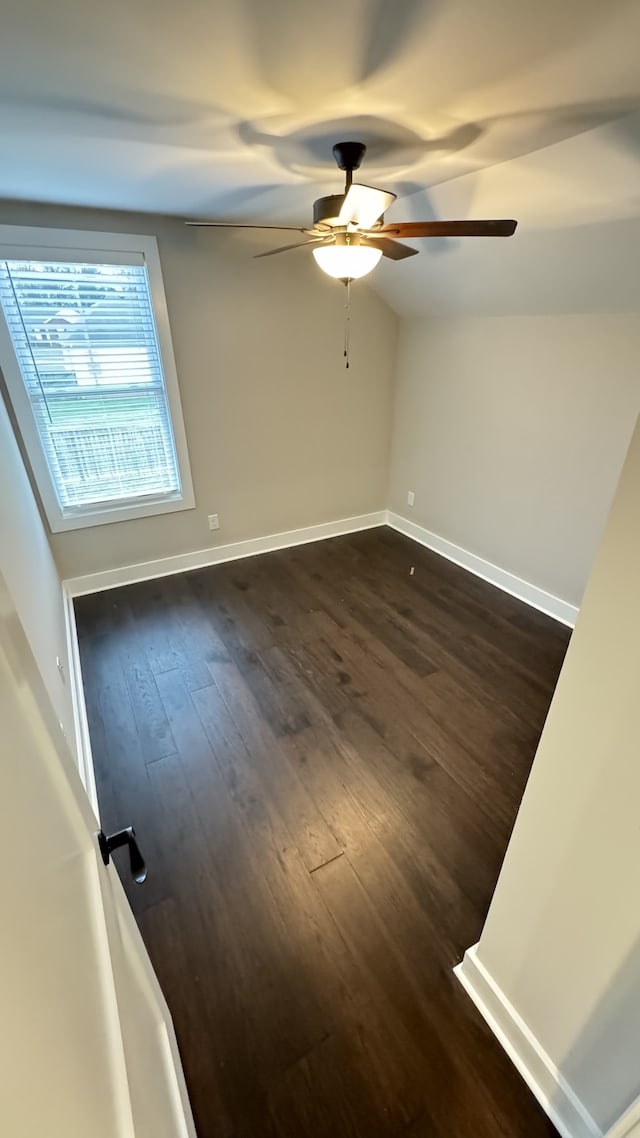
(85, 339)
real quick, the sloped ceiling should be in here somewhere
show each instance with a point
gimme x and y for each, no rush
(229, 108)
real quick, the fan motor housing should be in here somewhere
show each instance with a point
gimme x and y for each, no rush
(326, 210)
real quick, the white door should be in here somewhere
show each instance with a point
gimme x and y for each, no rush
(87, 1048)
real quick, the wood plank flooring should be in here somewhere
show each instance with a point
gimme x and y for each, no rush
(323, 753)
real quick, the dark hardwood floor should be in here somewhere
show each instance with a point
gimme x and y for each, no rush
(323, 751)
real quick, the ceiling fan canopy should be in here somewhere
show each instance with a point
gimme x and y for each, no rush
(349, 235)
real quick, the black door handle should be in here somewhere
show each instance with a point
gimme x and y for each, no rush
(124, 838)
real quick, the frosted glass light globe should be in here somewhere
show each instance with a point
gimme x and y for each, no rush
(347, 262)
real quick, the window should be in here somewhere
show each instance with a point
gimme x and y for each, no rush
(86, 352)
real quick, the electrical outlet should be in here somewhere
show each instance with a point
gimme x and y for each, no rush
(214, 521)
(411, 498)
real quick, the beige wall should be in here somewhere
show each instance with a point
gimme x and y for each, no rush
(280, 435)
(512, 431)
(562, 938)
(31, 576)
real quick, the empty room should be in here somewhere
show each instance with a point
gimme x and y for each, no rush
(319, 563)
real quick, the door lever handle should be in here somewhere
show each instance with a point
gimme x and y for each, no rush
(111, 842)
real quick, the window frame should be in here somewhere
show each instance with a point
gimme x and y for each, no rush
(42, 243)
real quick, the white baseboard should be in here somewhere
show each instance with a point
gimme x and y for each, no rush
(200, 558)
(538, 599)
(553, 1092)
(197, 559)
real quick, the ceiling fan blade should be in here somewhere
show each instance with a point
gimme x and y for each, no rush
(395, 250)
(296, 245)
(246, 225)
(450, 229)
(363, 205)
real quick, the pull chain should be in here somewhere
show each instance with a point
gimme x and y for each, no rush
(346, 323)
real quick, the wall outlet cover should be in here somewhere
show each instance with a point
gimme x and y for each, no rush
(411, 498)
(214, 521)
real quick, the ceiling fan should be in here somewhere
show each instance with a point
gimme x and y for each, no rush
(349, 234)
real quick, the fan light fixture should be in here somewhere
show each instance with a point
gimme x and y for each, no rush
(349, 233)
(347, 262)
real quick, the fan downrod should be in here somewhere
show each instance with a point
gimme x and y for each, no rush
(348, 156)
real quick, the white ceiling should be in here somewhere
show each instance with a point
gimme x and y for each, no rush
(229, 108)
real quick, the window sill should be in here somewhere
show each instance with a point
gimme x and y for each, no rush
(121, 513)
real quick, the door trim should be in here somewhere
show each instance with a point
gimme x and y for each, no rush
(82, 749)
